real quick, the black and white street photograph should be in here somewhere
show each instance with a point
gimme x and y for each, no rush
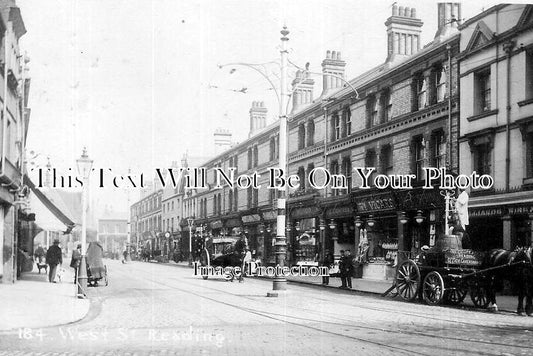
(269, 177)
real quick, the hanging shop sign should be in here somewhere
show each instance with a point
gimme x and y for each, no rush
(415, 199)
(251, 219)
(382, 201)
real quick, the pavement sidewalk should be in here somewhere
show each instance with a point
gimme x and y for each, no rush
(507, 303)
(33, 302)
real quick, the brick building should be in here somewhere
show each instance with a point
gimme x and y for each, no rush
(404, 117)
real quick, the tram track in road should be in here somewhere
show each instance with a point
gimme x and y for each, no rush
(283, 318)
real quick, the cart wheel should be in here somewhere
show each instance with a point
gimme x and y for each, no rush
(478, 294)
(204, 260)
(455, 296)
(105, 276)
(433, 288)
(408, 280)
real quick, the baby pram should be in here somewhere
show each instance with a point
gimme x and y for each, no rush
(96, 270)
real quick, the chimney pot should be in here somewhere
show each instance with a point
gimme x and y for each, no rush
(413, 13)
(407, 11)
(328, 54)
(333, 55)
(338, 55)
(394, 10)
(401, 11)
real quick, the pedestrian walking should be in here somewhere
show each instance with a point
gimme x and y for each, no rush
(75, 261)
(125, 255)
(326, 260)
(54, 257)
(348, 265)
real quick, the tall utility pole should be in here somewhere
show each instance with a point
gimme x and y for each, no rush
(280, 282)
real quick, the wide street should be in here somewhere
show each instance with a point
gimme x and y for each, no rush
(151, 308)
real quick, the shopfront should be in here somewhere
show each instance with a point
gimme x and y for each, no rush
(303, 235)
(253, 231)
(266, 252)
(339, 225)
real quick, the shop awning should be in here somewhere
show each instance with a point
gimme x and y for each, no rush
(47, 215)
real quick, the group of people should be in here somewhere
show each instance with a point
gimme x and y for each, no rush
(346, 267)
(54, 259)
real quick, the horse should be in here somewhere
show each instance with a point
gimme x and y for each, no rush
(519, 271)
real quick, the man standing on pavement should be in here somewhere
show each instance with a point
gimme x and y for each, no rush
(348, 265)
(75, 261)
(54, 257)
(326, 261)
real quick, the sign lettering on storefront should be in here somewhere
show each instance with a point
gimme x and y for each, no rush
(378, 202)
(270, 215)
(513, 210)
(420, 199)
(307, 212)
(463, 257)
(233, 222)
(217, 224)
(485, 212)
(339, 212)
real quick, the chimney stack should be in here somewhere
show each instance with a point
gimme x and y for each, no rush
(258, 113)
(222, 140)
(403, 33)
(333, 64)
(302, 87)
(184, 163)
(449, 15)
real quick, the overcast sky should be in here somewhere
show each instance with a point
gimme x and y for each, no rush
(137, 81)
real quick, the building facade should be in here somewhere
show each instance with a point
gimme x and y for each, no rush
(403, 117)
(14, 122)
(146, 223)
(496, 127)
(113, 234)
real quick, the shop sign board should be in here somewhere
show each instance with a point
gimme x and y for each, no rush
(483, 212)
(250, 219)
(339, 212)
(376, 202)
(415, 199)
(306, 212)
(270, 215)
(524, 209)
(234, 222)
(464, 257)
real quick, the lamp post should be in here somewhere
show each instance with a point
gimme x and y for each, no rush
(190, 222)
(84, 169)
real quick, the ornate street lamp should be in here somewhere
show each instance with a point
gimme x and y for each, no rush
(371, 222)
(332, 224)
(190, 222)
(84, 169)
(419, 218)
(358, 222)
(403, 218)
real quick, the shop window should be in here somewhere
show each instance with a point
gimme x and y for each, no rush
(255, 195)
(215, 205)
(310, 168)
(529, 74)
(386, 159)
(230, 200)
(311, 133)
(418, 156)
(482, 89)
(250, 158)
(249, 197)
(301, 175)
(438, 149)
(272, 196)
(386, 106)
(301, 136)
